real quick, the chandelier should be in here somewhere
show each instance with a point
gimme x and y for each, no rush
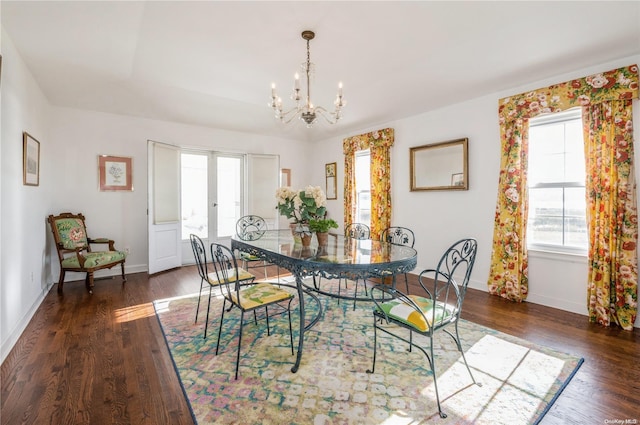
(306, 111)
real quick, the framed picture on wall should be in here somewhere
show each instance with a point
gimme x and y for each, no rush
(30, 160)
(115, 173)
(285, 177)
(330, 176)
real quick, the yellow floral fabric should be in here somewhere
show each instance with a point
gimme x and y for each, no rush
(421, 318)
(612, 214)
(261, 294)
(379, 144)
(508, 276)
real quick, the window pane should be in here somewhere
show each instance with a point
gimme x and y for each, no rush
(545, 223)
(546, 153)
(575, 217)
(574, 146)
(194, 196)
(229, 194)
(363, 187)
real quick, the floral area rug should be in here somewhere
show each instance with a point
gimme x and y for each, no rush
(520, 380)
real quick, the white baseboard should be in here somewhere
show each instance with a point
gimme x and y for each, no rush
(13, 337)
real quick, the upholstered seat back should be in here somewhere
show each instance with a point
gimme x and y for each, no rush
(71, 233)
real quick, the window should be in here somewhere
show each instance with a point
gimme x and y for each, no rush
(556, 176)
(363, 187)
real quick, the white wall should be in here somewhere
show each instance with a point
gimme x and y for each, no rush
(439, 218)
(23, 208)
(70, 142)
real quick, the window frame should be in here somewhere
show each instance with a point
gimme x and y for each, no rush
(564, 116)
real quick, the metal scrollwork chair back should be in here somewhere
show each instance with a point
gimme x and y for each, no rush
(400, 236)
(358, 231)
(249, 228)
(245, 297)
(437, 307)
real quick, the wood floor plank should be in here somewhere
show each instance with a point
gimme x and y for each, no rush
(102, 359)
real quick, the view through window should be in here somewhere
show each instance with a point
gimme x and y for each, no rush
(363, 187)
(556, 178)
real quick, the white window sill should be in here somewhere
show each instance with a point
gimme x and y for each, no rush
(563, 256)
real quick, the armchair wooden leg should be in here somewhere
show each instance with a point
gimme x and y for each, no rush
(61, 281)
(89, 282)
(124, 277)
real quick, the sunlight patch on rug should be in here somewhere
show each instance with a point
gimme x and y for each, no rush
(520, 380)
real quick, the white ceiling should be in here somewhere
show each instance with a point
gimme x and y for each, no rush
(211, 63)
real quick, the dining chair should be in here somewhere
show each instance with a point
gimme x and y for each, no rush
(437, 307)
(245, 298)
(248, 228)
(399, 235)
(356, 231)
(210, 279)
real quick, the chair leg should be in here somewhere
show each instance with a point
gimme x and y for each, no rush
(457, 340)
(200, 296)
(290, 328)
(206, 324)
(61, 281)
(239, 343)
(375, 345)
(89, 282)
(266, 313)
(432, 362)
(124, 276)
(224, 303)
(406, 282)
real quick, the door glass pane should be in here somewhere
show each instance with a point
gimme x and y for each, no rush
(229, 194)
(194, 196)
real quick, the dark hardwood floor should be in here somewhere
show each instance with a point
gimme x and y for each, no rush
(102, 359)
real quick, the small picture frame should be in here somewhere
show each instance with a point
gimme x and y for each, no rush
(115, 173)
(457, 179)
(30, 160)
(285, 177)
(331, 177)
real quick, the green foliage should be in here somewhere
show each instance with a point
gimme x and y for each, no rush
(322, 225)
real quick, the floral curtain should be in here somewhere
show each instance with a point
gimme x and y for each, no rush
(379, 144)
(508, 276)
(612, 213)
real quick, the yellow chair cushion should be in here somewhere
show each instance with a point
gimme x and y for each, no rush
(407, 314)
(231, 274)
(260, 294)
(249, 257)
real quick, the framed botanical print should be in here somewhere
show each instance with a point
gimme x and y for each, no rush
(115, 173)
(331, 177)
(30, 160)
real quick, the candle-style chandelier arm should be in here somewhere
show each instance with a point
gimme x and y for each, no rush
(306, 112)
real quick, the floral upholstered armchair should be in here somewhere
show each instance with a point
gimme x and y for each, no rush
(74, 249)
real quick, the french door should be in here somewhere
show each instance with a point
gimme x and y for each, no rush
(205, 193)
(212, 197)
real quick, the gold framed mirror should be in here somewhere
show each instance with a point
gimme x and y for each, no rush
(440, 166)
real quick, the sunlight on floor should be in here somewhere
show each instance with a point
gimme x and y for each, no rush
(135, 312)
(507, 371)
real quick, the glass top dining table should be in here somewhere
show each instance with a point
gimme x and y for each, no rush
(341, 257)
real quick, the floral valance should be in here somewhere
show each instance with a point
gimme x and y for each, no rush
(617, 84)
(378, 138)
